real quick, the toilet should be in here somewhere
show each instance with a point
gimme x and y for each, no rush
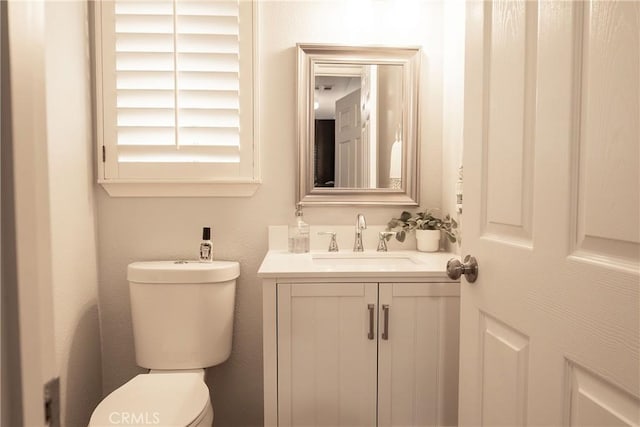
(182, 314)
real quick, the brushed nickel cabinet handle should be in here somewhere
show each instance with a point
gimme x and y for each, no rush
(385, 331)
(371, 308)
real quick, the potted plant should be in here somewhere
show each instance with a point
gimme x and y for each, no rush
(428, 229)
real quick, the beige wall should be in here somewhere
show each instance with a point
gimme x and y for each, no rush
(155, 228)
(10, 391)
(452, 104)
(72, 210)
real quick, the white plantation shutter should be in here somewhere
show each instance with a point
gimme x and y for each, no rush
(177, 89)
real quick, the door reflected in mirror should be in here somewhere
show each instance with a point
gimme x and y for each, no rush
(358, 118)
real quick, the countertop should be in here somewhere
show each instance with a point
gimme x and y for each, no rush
(423, 265)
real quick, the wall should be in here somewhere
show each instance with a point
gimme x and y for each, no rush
(11, 392)
(133, 229)
(452, 104)
(29, 257)
(73, 212)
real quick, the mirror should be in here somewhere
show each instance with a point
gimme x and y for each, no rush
(357, 125)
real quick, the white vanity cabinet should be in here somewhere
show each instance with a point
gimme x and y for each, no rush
(327, 354)
(418, 360)
(360, 351)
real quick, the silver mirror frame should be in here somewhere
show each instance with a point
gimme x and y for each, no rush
(409, 58)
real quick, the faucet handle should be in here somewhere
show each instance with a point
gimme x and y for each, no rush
(383, 236)
(333, 244)
(361, 223)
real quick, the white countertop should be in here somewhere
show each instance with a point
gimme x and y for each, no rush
(282, 264)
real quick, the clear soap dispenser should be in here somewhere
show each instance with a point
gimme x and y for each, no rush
(299, 233)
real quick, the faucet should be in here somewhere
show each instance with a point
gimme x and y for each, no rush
(361, 224)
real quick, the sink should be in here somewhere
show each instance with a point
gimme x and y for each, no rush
(363, 259)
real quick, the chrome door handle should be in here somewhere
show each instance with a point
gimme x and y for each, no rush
(371, 308)
(469, 268)
(385, 331)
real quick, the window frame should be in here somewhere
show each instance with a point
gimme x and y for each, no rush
(175, 187)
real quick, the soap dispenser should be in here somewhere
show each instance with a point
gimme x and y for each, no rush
(299, 233)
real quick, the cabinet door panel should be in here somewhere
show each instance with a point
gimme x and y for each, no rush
(326, 362)
(418, 363)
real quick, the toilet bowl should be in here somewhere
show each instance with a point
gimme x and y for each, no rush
(171, 398)
(182, 314)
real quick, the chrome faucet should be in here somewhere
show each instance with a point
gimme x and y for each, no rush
(361, 224)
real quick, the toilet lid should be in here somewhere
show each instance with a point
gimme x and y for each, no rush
(171, 399)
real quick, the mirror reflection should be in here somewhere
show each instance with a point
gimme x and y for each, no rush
(358, 122)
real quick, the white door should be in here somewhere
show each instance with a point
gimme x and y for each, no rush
(550, 330)
(31, 203)
(348, 141)
(327, 334)
(418, 354)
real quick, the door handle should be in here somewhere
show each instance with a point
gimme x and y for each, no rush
(371, 308)
(385, 331)
(469, 268)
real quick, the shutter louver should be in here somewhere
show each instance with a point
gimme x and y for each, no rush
(177, 90)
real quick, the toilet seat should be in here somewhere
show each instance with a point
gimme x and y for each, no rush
(164, 399)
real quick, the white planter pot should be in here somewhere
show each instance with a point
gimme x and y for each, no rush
(428, 240)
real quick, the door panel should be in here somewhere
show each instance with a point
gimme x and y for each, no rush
(550, 331)
(609, 112)
(418, 362)
(348, 141)
(508, 163)
(595, 402)
(504, 369)
(326, 362)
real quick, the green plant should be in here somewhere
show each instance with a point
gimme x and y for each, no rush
(423, 221)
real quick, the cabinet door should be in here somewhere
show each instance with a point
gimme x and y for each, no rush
(327, 335)
(418, 356)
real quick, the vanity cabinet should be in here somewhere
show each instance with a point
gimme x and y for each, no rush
(327, 354)
(361, 353)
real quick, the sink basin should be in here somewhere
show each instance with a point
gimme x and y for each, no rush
(363, 259)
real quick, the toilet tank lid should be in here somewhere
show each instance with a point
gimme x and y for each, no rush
(172, 399)
(179, 272)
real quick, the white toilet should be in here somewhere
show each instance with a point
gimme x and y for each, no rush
(182, 314)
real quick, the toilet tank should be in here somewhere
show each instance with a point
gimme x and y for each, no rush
(182, 312)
